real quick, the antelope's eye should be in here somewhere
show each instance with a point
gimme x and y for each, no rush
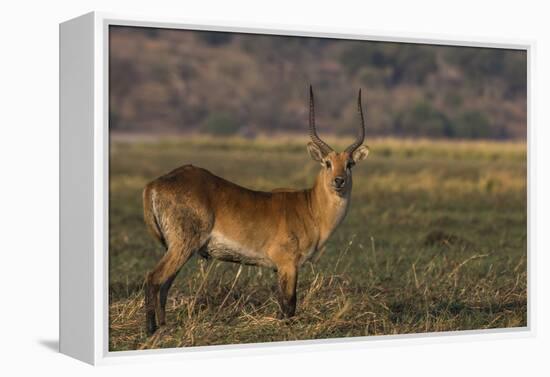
(350, 164)
(328, 164)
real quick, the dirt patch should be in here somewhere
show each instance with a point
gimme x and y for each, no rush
(439, 237)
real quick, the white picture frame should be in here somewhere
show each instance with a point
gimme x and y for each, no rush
(84, 172)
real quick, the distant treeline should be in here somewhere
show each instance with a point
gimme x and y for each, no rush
(165, 80)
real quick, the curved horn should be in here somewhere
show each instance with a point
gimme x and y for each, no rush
(325, 148)
(361, 138)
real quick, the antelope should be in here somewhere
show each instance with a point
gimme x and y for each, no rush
(192, 211)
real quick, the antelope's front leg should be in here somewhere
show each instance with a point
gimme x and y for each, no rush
(287, 278)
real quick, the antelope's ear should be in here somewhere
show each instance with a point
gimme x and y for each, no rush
(360, 153)
(315, 152)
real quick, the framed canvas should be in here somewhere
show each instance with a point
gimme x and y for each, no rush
(206, 198)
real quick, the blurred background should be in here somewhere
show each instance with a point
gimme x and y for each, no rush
(177, 81)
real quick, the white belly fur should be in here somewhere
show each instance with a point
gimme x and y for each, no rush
(223, 248)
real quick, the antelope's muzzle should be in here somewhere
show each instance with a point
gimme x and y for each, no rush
(339, 183)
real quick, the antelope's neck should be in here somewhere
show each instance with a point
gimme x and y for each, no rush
(328, 208)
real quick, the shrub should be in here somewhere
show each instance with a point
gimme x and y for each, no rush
(453, 99)
(423, 120)
(472, 125)
(407, 63)
(413, 63)
(221, 124)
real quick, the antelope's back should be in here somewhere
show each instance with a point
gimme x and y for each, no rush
(191, 187)
(234, 210)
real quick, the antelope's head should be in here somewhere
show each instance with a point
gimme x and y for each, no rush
(336, 169)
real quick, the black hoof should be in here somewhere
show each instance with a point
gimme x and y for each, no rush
(151, 329)
(151, 325)
(284, 316)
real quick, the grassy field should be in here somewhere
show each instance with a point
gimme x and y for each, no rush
(435, 240)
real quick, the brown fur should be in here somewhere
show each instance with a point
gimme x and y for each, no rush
(191, 210)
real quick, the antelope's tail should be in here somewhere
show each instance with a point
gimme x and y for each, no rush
(150, 216)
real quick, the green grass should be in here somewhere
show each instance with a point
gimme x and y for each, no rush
(435, 240)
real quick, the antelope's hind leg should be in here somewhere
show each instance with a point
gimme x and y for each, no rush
(158, 282)
(163, 296)
(181, 246)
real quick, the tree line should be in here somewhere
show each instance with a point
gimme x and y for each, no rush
(165, 80)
